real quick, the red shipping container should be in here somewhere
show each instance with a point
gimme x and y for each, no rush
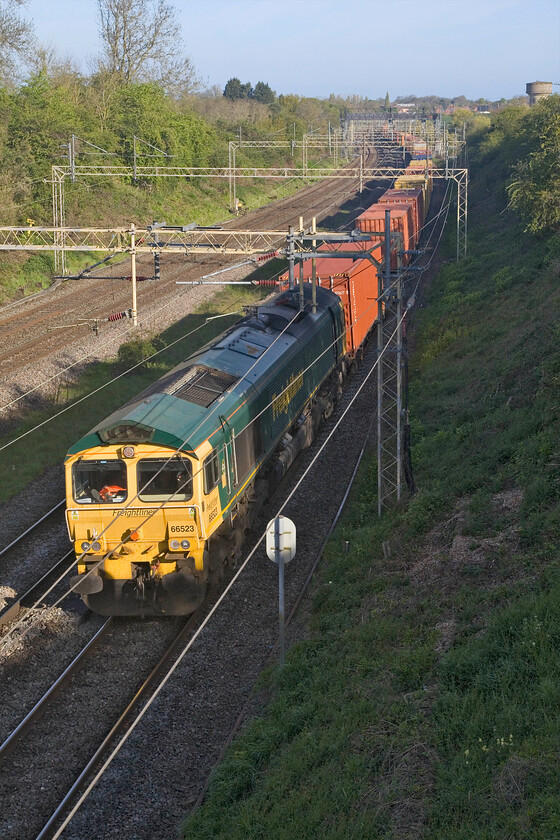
(354, 281)
(414, 197)
(373, 220)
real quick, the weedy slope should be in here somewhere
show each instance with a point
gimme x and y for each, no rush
(424, 701)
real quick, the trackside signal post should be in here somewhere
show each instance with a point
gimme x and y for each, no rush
(281, 548)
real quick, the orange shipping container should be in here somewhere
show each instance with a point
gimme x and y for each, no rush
(373, 220)
(355, 282)
(414, 197)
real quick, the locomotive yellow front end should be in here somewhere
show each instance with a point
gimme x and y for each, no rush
(137, 529)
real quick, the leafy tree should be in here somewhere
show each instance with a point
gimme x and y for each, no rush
(264, 93)
(235, 90)
(469, 118)
(146, 111)
(16, 39)
(42, 118)
(535, 188)
(142, 43)
(387, 101)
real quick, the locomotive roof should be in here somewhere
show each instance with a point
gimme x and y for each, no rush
(184, 407)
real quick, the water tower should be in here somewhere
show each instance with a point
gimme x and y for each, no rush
(538, 90)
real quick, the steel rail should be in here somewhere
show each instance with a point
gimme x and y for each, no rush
(120, 724)
(32, 527)
(39, 708)
(10, 613)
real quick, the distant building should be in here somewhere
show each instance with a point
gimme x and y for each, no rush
(538, 90)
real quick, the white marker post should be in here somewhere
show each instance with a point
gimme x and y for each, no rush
(281, 548)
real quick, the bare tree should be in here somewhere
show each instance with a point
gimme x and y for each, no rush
(142, 42)
(16, 40)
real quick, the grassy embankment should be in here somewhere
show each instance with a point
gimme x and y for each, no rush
(425, 701)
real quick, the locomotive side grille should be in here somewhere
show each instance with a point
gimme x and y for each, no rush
(202, 385)
(197, 384)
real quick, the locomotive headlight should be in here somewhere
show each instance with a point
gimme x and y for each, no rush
(185, 544)
(174, 545)
(94, 546)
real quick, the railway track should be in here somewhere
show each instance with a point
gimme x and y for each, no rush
(142, 693)
(26, 564)
(77, 715)
(11, 613)
(194, 717)
(19, 539)
(27, 570)
(33, 716)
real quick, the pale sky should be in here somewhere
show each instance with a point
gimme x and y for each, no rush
(479, 48)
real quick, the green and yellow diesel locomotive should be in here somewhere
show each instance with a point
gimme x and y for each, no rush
(159, 494)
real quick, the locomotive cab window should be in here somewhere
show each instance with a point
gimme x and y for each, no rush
(211, 472)
(99, 482)
(160, 480)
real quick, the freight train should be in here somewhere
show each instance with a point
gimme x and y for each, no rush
(161, 493)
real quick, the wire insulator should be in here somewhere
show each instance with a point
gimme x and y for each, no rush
(269, 283)
(269, 256)
(118, 316)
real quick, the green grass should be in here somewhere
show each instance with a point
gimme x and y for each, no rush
(425, 701)
(22, 275)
